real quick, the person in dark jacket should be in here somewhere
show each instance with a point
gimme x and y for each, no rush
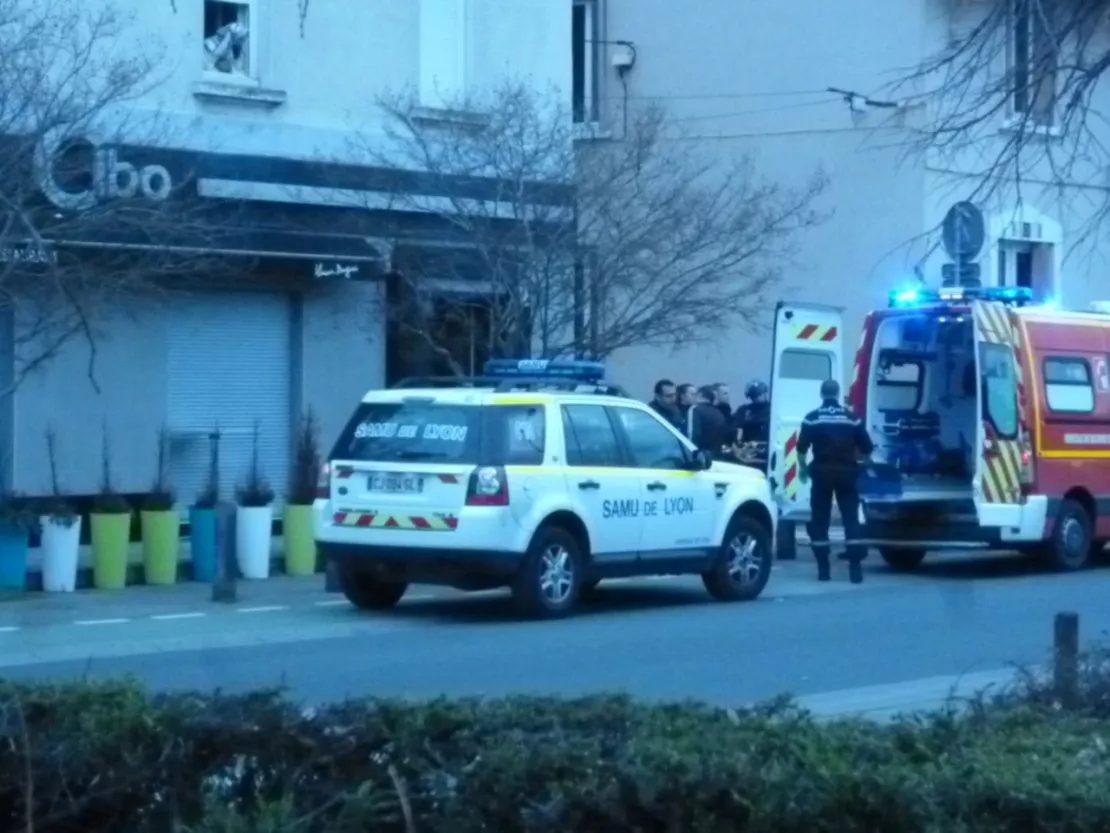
(838, 439)
(709, 431)
(752, 424)
(753, 420)
(724, 399)
(665, 404)
(686, 398)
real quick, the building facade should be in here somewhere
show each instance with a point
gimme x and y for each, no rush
(806, 84)
(256, 106)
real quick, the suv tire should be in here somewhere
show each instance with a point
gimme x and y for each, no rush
(367, 591)
(1069, 548)
(742, 567)
(549, 581)
(902, 559)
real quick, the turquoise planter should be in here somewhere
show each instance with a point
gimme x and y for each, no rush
(202, 542)
(13, 559)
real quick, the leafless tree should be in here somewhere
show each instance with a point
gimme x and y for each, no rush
(1011, 100)
(580, 246)
(71, 75)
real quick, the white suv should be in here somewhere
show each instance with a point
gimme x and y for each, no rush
(536, 476)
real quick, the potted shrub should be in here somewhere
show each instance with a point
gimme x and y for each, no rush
(110, 528)
(254, 517)
(161, 524)
(61, 531)
(300, 542)
(16, 523)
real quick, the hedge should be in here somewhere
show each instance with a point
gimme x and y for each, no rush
(112, 758)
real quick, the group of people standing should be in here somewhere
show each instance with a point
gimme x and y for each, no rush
(836, 436)
(705, 415)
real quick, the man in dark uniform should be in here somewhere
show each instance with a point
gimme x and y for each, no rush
(752, 424)
(838, 438)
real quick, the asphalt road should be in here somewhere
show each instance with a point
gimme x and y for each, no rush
(660, 639)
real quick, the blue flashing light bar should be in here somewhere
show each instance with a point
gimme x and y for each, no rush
(581, 371)
(920, 296)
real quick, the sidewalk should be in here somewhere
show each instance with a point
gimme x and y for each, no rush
(182, 601)
(885, 702)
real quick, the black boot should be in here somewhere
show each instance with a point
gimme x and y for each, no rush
(823, 573)
(855, 572)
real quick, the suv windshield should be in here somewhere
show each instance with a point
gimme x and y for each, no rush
(416, 431)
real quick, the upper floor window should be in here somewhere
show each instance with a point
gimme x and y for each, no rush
(585, 62)
(1033, 60)
(227, 38)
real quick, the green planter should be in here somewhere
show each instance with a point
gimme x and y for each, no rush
(161, 545)
(300, 541)
(111, 539)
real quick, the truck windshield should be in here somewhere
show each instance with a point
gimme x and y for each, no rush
(996, 362)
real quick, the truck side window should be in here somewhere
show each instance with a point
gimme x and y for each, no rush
(1067, 385)
(999, 388)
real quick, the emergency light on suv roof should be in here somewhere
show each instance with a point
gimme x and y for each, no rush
(580, 371)
(920, 297)
(527, 374)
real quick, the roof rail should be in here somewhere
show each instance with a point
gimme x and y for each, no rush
(504, 385)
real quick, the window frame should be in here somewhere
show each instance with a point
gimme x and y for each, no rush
(919, 385)
(985, 411)
(1089, 384)
(564, 416)
(626, 440)
(827, 355)
(1025, 18)
(587, 111)
(253, 76)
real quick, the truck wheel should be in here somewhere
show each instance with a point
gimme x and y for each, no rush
(367, 591)
(902, 559)
(1069, 547)
(743, 565)
(549, 581)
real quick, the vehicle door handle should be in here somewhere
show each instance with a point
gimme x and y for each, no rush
(589, 484)
(657, 486)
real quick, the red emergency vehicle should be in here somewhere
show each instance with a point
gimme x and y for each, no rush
(990, 417)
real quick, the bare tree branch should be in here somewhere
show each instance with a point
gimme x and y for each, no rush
(1011, 105)
(73, 78)
(575, 245)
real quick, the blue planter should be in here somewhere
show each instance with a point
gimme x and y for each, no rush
(13, 559)
(202, 538)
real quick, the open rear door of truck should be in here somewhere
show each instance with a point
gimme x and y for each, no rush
(997, 490)
(808, 349)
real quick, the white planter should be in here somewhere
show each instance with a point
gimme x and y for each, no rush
(253, 540)
(60, 547)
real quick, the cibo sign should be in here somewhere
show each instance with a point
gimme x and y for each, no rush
(78, 174)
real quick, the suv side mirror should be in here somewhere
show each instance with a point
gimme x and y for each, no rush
(703, 460)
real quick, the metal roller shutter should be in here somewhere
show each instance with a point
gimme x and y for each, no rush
(229, 365)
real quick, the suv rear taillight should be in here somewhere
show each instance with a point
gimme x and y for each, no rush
(488, 486)
(323, 482)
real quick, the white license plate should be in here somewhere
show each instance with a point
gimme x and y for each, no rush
(405, 484)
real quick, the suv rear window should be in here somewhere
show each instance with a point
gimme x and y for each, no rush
(417, 431)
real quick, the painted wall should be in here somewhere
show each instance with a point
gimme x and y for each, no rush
(343, 352)
(329, 76)
(753, 78)
(129, 368)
